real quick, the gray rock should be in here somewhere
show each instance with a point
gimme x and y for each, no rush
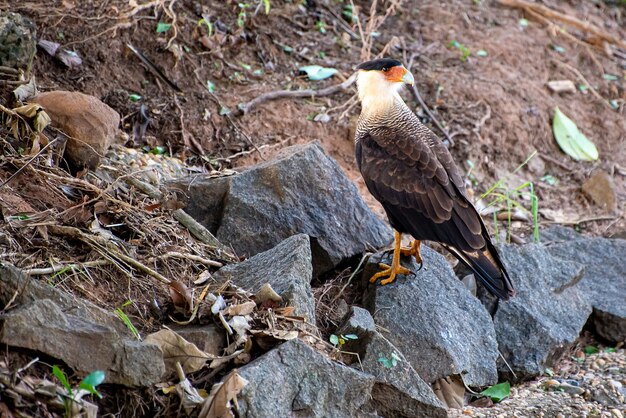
(286, 267)
(398, 390)
(294, 380)
(545, 318)
(435, 321)
(301, 191)
(603, 283)
(358, 321)
(17, 41)
(82, 335)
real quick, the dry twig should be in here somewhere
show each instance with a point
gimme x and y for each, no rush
(281, 94)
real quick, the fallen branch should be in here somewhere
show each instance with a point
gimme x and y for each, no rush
(281, 94)
(60, 267)
(192, 257)
(110, 248)
(195, 228)
(572, 21)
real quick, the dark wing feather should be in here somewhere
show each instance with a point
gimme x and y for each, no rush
(420, 195)
(416, 181)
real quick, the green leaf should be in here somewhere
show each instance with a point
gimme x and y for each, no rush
(210, 86)
(224, 111)
(590, 349)
(351, 337)
(334, 340)
(163, 27)
(523, 22)
(317, 72)
(94, 378)
(498, 392)
(134, 97)
(482, 53)
(571, 140)
(60, 374)
(267, 5)
(609, 350)
(610, 77)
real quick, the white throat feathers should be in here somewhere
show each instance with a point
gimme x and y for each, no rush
(376, 94)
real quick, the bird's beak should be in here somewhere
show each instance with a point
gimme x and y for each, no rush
(407, 78)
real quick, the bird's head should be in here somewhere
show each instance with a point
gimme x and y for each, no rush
(378, 81)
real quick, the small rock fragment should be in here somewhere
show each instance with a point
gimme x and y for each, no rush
(17, 41)
(601, 189)
(561, 86)
(90, 124)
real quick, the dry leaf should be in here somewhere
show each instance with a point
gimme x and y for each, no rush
(189, 396)
(266, 293)
(218, 305)
(181, 296)
(222, 396)
(243, 309)
(176, 348)
(203, 277)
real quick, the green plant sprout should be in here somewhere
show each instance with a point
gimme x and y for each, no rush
(120, 313)
(86, 386)
(465, 51)
(500, 193)
(340, 340)
(391, 361)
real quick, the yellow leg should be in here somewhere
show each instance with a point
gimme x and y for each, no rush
(391, 271)
(414, 250)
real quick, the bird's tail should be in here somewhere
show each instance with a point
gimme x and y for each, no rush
(487, 266)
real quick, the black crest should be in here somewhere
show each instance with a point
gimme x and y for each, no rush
(382, 64)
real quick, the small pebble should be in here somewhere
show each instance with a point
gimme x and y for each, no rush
(616, 413)
(571, 389)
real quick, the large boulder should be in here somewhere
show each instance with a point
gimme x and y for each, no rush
(441, 328)
(545, 318)
(286, 267)
(398, 390)
(300, 191)
(294, 380)
(90, 124)
(82, 335)
(603, 283)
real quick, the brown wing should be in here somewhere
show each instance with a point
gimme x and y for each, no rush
(417, 183)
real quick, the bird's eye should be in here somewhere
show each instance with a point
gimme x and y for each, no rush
(385, 69)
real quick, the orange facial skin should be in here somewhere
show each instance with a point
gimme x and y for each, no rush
(395, 74)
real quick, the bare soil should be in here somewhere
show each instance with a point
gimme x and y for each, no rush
(494, 104)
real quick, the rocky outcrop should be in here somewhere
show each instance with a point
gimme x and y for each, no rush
(603, 282)
(294, 380)
(300, 191)
(82, 335)
(398, 390)
(286, 267)
(545, 318)
(441, 328)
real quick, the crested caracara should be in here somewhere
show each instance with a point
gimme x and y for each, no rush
(412, 174)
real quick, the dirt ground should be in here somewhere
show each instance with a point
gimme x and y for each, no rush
(481, 67)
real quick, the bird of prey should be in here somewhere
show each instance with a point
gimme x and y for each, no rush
(412, 174)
